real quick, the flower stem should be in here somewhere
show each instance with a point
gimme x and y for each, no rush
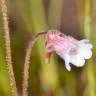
(8, 48)
(27, 61)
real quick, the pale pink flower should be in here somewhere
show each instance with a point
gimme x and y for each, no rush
(68, 48)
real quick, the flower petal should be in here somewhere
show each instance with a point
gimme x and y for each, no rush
(85, 50)
(86, 43)
(67, 60)
(85, 53)
(77, 60)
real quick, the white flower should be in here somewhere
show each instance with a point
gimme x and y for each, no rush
(77, 55)
(68, 48)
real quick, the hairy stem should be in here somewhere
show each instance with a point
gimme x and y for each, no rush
(8, 48)
(27, 61)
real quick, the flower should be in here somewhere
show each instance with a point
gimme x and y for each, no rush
(68, 48)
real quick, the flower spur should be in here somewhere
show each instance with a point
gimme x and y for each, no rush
(72, 51)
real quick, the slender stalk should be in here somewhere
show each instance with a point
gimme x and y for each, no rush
(27, 61)
(8, 48)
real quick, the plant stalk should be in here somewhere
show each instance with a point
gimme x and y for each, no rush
(8, 48)
(27, 61)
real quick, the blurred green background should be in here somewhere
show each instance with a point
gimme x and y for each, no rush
(28, 17)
